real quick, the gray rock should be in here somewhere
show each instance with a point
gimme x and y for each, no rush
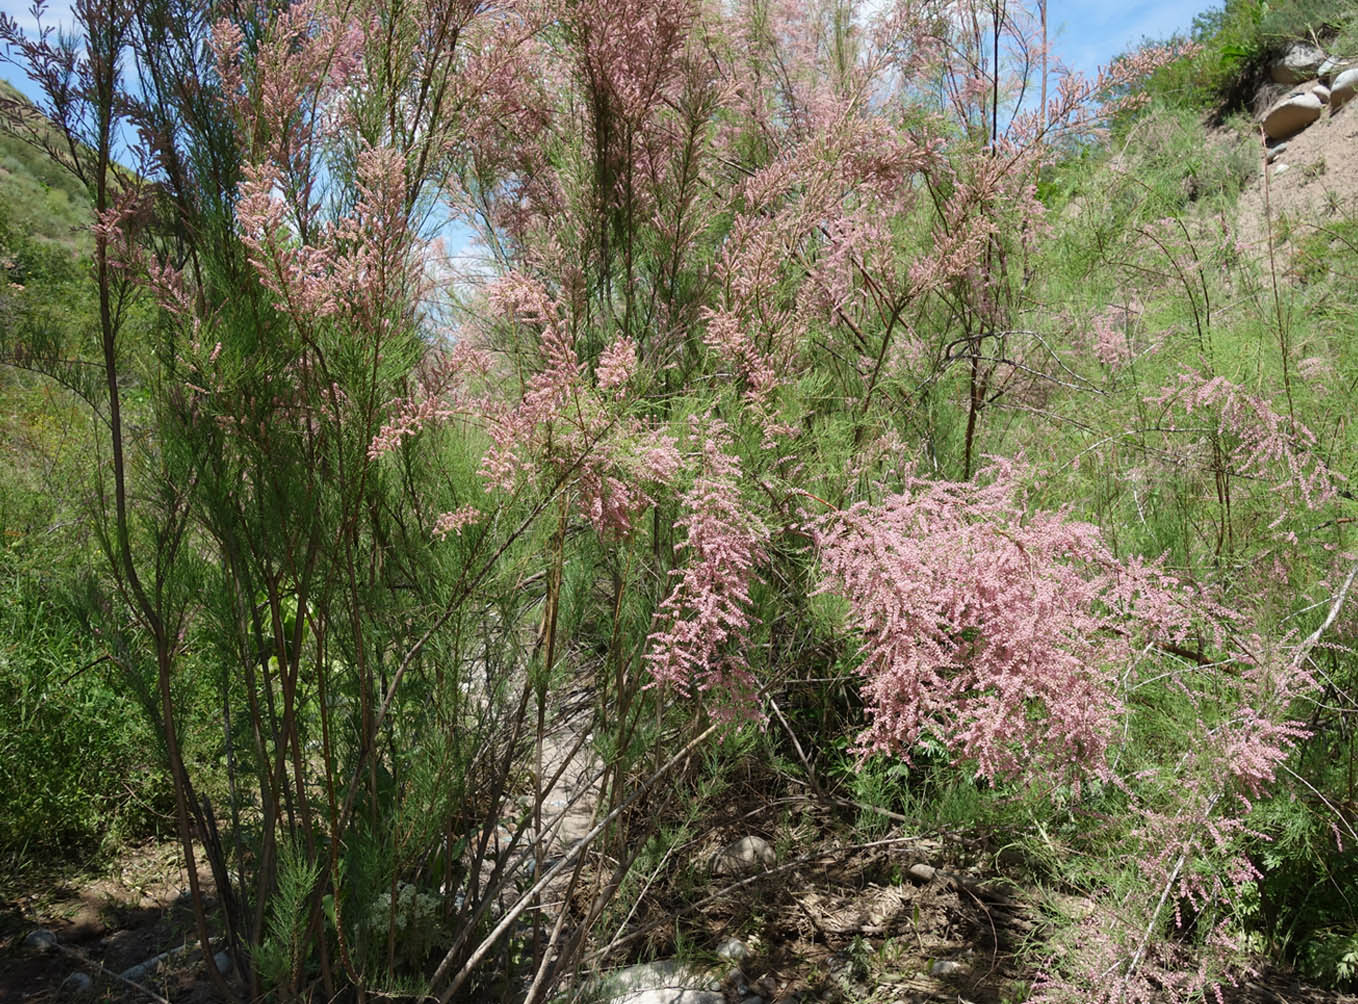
(946, 967)
(1301, 62)
(1274, 152)
(671, 995)
(75, 985)
(1322, 92)
(137, 973)
(666, 982)
(732, 950)
(1332, 67)
(1343, 88)
(147, 968)
(922, 872)
(1291, 115)
(223, 962)
(744, 857)
(41, 940)
(1281, 169)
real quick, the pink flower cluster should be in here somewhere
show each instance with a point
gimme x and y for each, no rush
(629, 48)
(617, 363)
(1112, 347)
(1260, 442)
(1122, 82)
(518, 430)
(456, 521)
(702, 629)
(998, 629)
(443, 389)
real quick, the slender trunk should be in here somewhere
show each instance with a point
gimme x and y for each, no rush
(105, 73)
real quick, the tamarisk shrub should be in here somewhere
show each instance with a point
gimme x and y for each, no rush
(1266, 471)
(788, 220)
(1178, 930)
(1015, 639)
(1256, 441)
(1123, 83)
(253, 526)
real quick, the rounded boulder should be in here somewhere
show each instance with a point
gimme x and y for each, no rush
(1342, 89)
(1291, 115)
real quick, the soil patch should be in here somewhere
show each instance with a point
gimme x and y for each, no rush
(1313, 181)
(136, 909)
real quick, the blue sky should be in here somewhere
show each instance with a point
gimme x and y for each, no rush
(1085, 35)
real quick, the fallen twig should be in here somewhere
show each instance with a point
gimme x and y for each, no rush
(85, 960)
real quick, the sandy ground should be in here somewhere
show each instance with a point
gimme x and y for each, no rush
(1317, 186)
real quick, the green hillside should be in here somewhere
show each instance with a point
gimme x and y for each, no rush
(42, 200)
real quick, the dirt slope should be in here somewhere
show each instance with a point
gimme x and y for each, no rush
(1312, 183)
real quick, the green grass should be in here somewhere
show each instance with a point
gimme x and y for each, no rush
(81, 761)
(80, 755)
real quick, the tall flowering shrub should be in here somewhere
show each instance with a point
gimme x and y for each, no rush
(1191, 845)
(1255, 440)
(790, 219)
(1015, 639)
(1123, 83)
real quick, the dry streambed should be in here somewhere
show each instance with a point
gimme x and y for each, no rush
(823, 918)
(768, 899)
